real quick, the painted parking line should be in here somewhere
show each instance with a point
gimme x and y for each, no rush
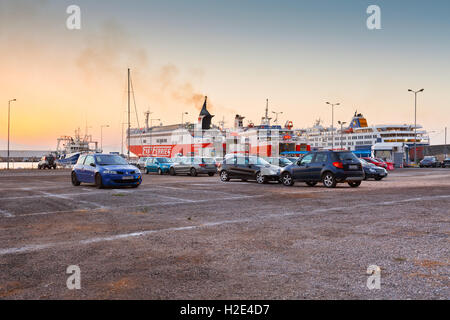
(157, 204)
(6, 214)
(39, 247)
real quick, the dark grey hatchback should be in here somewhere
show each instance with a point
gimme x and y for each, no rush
(329, 167)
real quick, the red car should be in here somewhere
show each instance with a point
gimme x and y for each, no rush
(377, 162)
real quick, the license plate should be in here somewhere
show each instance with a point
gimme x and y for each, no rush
(128, 178)
(353, 167)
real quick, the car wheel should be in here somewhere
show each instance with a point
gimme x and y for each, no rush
(211, 174)
(260, 178)
(287, 179)
(311, 184)
(75, 181)
(378, 178)
(193, 172)
(224, 177)
(354, 184)
(146, 171)
(329, 180)
(98, 181)
(172, 172)
(160, 171)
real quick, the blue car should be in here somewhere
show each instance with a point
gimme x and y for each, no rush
(105, 170)
(329, 167)
(159, 165)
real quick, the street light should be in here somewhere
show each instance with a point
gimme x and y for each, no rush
(182, 117)
(9, 107)
(332, 122)
(276, 116)
(415, 122)
(101, 135)
(341, 123)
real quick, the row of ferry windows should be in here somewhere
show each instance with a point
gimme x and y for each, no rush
(357, 143)
(345, 138)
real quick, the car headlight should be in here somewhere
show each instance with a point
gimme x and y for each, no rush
(109, 172)
(372, 170)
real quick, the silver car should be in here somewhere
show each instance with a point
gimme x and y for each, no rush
(194, 166)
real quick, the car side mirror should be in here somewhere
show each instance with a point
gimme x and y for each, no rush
(93, 165)
(299, 163)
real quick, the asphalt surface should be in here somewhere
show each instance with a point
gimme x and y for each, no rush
(198, 238)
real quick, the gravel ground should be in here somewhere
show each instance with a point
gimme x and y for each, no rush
(198, 238)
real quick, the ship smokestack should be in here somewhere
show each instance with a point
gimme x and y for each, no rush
(205, 117)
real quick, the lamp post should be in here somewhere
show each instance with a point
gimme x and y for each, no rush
(276, 116)
(415, 122)
(342, 124)
(9, 111)
(332, 122)
(182, 117)
(101, 135)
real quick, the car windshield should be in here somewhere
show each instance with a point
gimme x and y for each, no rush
(364, 162)
(428, 158)
(285, 161)
(109, 160)
(257, 160)
(208, 160)
(164, 160)
(346, 156)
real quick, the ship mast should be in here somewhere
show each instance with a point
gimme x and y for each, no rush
(129, 116)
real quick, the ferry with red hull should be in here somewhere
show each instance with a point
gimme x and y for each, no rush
(169, 141)
(207, 140)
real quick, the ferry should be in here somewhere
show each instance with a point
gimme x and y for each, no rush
(187, 139)
(363, 139)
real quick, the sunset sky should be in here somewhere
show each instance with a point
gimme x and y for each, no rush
(299, 54)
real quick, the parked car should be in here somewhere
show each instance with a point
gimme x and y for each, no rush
(373, 171)
(429, 162)
(105, 170)
(158, 165)
(194, 166)
(141, 162)
(249, 168)
(47, 162)
(280, 162)
(446, 163)
(376, 161)
(329, 167)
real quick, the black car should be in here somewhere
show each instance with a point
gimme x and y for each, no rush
(47, 162)
(280, 162)
(248, 168)
(429, 162)
(330, 167)
(446, 163)
(372, 171)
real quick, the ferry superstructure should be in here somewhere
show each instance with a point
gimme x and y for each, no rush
(359, 136)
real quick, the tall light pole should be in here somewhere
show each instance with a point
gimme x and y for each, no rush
(101, 135)
(182, 117)
(415, 122)
(276, 116)
(332, 122)
(9, 111)
(342, 124)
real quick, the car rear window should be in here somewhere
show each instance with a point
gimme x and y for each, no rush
(346, 156)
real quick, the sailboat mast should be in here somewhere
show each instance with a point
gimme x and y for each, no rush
(129, 115)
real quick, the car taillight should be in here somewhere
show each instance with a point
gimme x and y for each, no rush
(202, 165)
(338, 165)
